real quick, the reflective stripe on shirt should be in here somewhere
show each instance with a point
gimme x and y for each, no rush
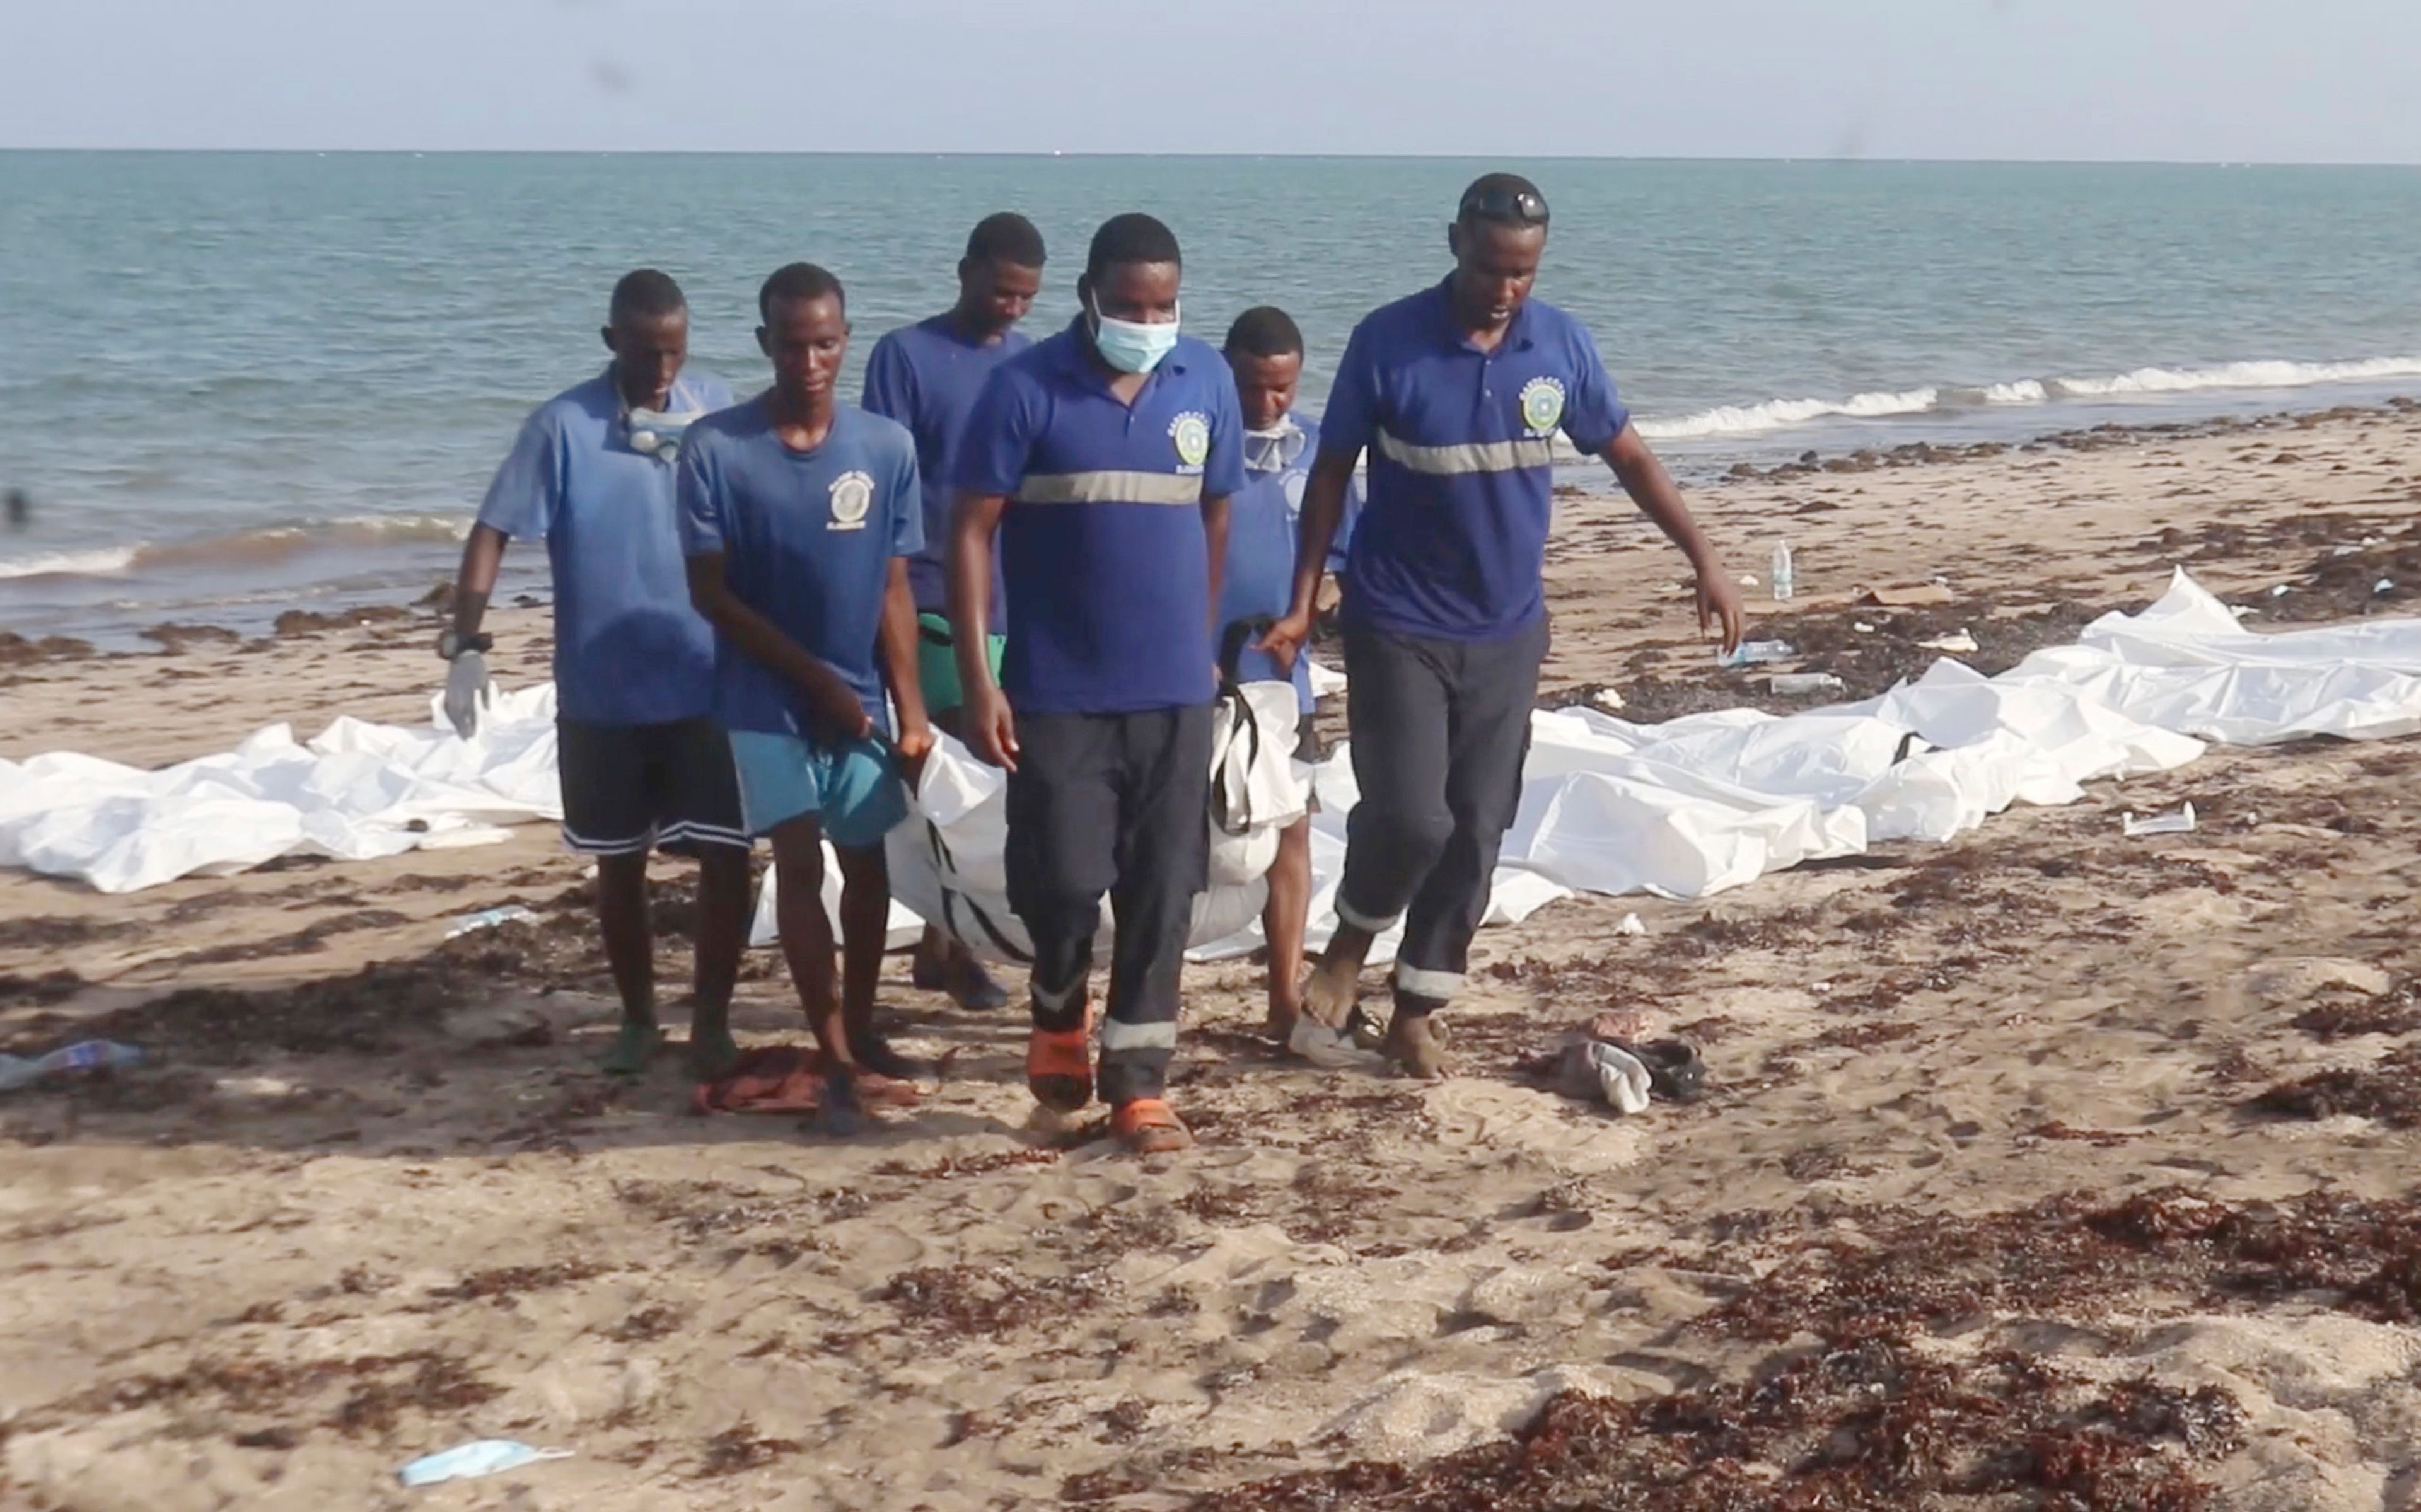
(1470, 456)
(1109, 487)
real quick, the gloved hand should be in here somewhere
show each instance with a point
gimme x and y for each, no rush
(467, 693)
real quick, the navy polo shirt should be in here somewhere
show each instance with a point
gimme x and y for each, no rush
(1452, 535)
(1264, 519)
(926, 377)
(806, 539)
(1101, 539)
(629, 649)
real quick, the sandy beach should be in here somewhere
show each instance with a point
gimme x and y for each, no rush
(2046, 1163)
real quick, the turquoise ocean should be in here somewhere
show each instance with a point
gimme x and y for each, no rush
(234, 384)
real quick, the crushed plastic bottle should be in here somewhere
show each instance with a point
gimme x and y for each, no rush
(489, 919)
(1790, 683)
(1750, 653)
(85, 1055)
(1785, 580)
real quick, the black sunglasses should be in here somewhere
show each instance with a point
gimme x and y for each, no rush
(1519, 206)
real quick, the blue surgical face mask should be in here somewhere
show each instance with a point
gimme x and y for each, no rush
(1133, 346)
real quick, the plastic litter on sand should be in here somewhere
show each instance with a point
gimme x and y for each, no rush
(85, 1055)
(2179, 822)
(469, 1462)
(488, 919)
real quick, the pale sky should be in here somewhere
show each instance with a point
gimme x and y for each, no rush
(2200, 80)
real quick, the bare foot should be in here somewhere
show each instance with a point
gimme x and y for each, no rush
(1414, 1044)
(1335, 976)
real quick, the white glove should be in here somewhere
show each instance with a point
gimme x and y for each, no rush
(467, 693)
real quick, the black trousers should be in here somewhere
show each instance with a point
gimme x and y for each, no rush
(1440, 731)
(1114, 803)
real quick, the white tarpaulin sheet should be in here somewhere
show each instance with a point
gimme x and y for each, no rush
(1682, 810)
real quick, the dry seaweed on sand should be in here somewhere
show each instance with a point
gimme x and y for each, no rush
(1863, 1429)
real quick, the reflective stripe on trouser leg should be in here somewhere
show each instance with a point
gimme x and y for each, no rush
(1162, 856)
(1491, 689)
(1438, 987)
(1396, 705)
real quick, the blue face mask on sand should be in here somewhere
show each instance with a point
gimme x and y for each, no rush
(469, 1462)
(1133, 346)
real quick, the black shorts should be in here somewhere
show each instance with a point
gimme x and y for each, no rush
(630, 787)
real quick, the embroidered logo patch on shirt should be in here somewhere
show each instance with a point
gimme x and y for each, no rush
(1542, 405)
(1191, 431)
(852, 495)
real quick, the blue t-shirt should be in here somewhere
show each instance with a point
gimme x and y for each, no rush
(1454, 534)
(926, 377)
(629, 649)
(1102, 540)
(1264, 519)
(808, 539)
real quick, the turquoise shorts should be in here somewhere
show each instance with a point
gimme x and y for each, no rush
(855, 792)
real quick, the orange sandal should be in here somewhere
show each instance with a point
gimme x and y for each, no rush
(1149, 1126)
(1059, 1068)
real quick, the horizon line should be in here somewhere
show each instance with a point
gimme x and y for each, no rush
(1827, 160)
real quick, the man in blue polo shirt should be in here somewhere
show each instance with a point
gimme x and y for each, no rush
(641, 765)
(1457, 394)
(797, 517)
(927, 376)
(1264, 351)
(1104, 458)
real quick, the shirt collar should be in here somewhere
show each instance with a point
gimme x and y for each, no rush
(1517, 334)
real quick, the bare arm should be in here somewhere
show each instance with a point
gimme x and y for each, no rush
(991, 727)
(1214, 531)
(899, 663)
(1652, 489)
(1323, 514)
(835, 701)
(483, 554)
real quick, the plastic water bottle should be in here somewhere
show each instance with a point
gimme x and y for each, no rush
(1784, 582)
(85, 1055)
(1750, 653)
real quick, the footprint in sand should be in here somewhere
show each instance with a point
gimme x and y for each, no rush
(1502, 1119)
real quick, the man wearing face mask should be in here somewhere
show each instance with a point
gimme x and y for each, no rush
(642, 765)
(1457, 394)
(1264, 351)
(1103, 458)
(927, 376)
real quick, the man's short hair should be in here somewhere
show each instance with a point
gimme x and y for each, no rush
(799, 280)
(645, 294)
(1502, 199)
(1133, 237)
(1006, 238)
(1264, 330)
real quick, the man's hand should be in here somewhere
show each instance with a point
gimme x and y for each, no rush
(1285, 640)
(837, 710)
(467, 693)
(992, 729)
(1719, 603)
(915, 743)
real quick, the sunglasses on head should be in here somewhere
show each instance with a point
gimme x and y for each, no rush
(1497, 202)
